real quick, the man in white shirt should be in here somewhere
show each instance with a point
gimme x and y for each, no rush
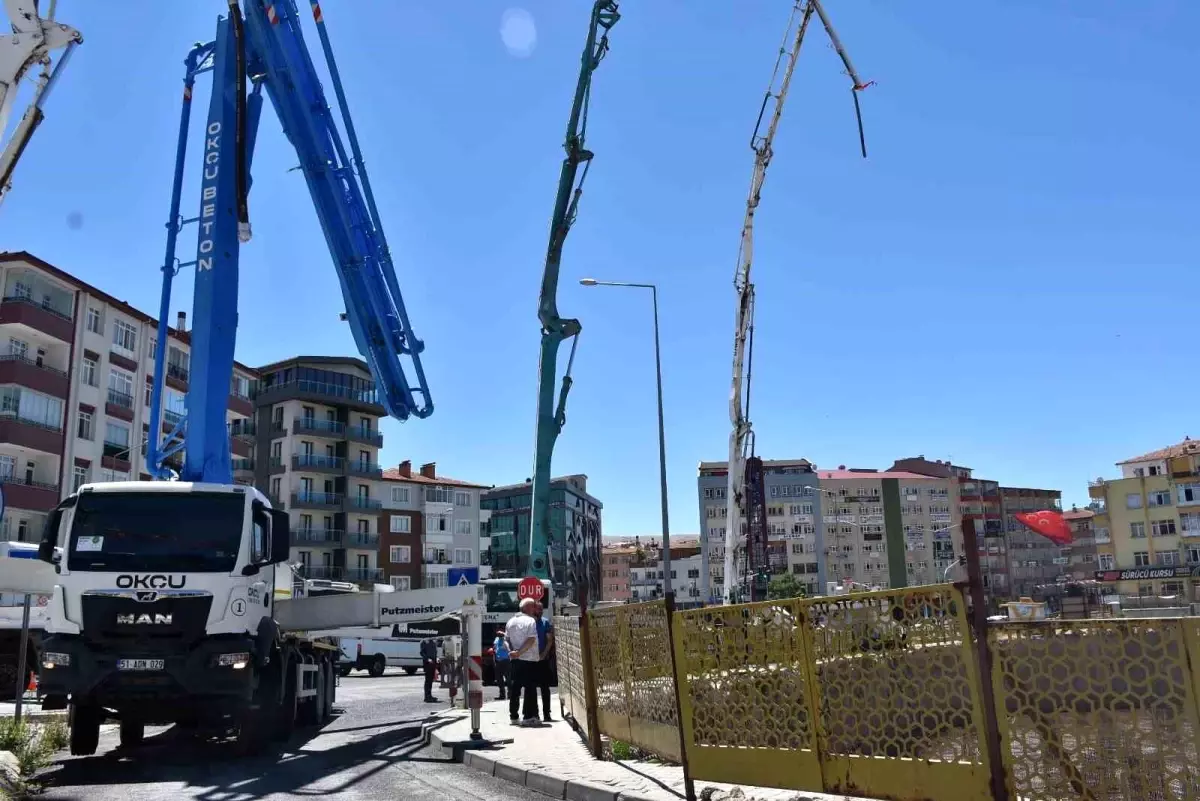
(522, 635)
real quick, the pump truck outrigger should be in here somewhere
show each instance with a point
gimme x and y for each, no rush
(171, 599)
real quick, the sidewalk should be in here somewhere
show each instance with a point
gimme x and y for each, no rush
(553, 759)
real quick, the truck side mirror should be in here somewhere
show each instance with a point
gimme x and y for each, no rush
(50, 536)
(281, 536)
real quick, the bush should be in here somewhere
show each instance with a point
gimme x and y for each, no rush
(34, 745)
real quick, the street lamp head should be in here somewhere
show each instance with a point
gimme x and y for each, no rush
(588, 281)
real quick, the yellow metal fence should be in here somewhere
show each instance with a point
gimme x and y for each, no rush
(879, 695)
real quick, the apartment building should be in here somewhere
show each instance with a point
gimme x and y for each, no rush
(1147, 523)
(871, 516)
(1081, 553)
(575, 532)
(429, 523)
(1037, 566)
(76, 365)
(317, 455)
(796, 536)
(649, 580)
(615, 564)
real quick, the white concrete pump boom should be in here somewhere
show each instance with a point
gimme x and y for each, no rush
(31, 42)
(741, 438)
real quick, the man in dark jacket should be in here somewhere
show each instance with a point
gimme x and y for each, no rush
(429, 660)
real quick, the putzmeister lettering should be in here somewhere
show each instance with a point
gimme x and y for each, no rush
(412, 610)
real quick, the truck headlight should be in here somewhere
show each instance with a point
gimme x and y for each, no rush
(53, 660)
(236, 661)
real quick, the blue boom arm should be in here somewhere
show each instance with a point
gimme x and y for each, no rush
(555, 329)
(265, 50)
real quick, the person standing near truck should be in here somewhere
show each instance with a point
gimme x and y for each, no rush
(429, 657)
(522, 636)
(500, 662)
(545, 636)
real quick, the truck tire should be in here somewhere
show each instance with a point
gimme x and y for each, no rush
(331, 684)
(378, 665)
(286, 710)
(254, 728)
(410, 671)
(132, 733)
(344, 670)
(84, 720)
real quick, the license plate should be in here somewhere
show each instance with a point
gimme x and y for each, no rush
(141, 664)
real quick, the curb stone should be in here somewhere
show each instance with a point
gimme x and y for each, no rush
(539, 781)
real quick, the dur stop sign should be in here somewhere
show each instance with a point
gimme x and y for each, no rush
(531, 587)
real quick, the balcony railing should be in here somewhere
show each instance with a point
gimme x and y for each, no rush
(317, 498)
(118, 450)
(364, 574)
(370, 396)
(13, 414)
(16, 357)
(317, 536)
(368, 469)
(118, 398)
(322, 572)
(317, 461)
(44, 306)
(311, 425)
(362, 539)
(172, 418)
(243, 464)
(365, 503)
(242, 428)
(371, 436)
(177, 372)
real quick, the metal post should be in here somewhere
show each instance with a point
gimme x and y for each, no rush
(590, 699)
(983, 656)
(662, 455)
(689, 787)
(22, 655)
(473, 623)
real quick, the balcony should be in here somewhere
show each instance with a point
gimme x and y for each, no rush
(316, 500)
(331, 429)
(29, 433)
(16, 369)
(318, 463)
(359, 468)
(361, 504)
(243, 465)
(22, 493)
(364, 574)
(119, 404)
(362, 539)
(242, 428)
(317, 536)
(38, 316)
(321, 392)
(322, 572)
(364, 434)
(177, 376)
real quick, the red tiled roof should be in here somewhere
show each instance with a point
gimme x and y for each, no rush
(393, 474)
(1187, 447)
(826, 475)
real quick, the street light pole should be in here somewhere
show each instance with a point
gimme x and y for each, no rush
(662, 438)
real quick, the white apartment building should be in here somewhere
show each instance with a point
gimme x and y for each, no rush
(75, 371)
(431, 523)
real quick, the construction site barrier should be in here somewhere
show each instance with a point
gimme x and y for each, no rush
(879, 694)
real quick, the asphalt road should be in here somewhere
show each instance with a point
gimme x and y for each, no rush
(370, 750)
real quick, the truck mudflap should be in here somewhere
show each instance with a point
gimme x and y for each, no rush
(215, 669)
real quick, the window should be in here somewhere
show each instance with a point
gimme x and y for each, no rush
(1167, 558)
(400, 554)
(401, 583)
(108, 474)
(87, 373)
(31, 406)
(434, 580)
(94, 322)
(439, 495)
(462, 526)
(462, 556)
(120, 381)
(124, 337)
(1137, 530)
(258, 542)
(1162, 528)
(79, 477)
(84, 429)
(400, 524)
(399, 495)
(276, 486)
(239, 386)
(116, 434)
(1159, 497)
(1133, 500)
(18, 348)
(462, 499)
(1190, 523)
(1188, 493)
(1141, 559)
(1108, 561)
(1193, 554)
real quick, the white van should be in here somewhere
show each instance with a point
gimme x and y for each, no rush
(374, 655)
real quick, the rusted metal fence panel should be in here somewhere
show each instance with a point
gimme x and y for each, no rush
(635, 688)
(572, 691)
(1099, 710)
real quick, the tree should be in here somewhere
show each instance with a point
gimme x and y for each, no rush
(784, 586)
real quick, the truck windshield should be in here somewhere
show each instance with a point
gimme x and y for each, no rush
(499, 598)
(139, 531)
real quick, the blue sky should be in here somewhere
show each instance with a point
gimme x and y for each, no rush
(1000, 283)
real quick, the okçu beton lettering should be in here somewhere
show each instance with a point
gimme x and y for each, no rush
(208, 194)
(152, 581)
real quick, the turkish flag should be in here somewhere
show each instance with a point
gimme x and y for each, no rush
(1049, 523)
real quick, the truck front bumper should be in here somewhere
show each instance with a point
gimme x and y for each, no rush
(199, 675)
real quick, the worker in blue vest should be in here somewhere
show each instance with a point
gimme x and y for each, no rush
(500, 659)
(545, 635)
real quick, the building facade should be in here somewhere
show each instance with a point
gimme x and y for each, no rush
(76, 366)
(615, 564)
(1037, 567)
(575, 533)
(1147, 524)
(796, 536)
(430, 523)
(1081, 554)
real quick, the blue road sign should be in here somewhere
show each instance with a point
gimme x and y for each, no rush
(457, 576)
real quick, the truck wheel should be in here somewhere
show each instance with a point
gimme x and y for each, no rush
(132, 733)
(286, 712)
(344, 670)
(253, 729)
(378, 665)
(410, 671)
(84, 720)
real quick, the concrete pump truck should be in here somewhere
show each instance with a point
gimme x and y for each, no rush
(171, 600)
